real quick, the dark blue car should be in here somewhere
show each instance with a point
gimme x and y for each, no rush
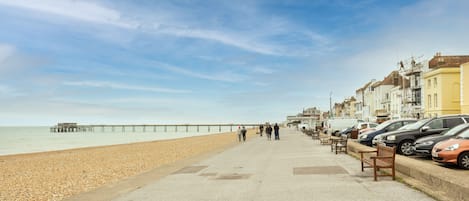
(387, 126)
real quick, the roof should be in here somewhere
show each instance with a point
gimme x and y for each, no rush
(439, 61)
(364, 87)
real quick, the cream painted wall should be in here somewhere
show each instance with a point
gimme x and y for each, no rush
(464, 76)
(444, 84)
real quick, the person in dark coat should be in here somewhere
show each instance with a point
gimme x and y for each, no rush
(243, 133)
(268, 132)
(261, 129)
(276, 129)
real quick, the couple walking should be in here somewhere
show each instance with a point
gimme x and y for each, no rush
(242, 133)
(268, 132)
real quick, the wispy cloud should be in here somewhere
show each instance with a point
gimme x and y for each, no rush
(263, 70)
(221, 37)
(13, 61)
(5, 52)
(95, 13)
(80, 10)
(112, 85)
(225, 76)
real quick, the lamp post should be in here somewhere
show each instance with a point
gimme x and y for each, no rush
(330, 104)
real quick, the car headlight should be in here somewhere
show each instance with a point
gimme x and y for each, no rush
(452, 147)
(427, 143)
(363, 136)
(391, 137)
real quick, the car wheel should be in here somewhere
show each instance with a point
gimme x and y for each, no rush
(463, 160)
(405, 148)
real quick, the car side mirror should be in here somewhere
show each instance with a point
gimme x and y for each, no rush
(425, 128)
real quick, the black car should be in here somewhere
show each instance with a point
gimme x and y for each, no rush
(405, 139)
(423, 146)
(387, 126)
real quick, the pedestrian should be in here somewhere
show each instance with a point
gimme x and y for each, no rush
(276, 129)
(239, 133)
(268, 132)
(243, 133)
(261, 129)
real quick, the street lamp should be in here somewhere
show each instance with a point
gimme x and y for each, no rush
(330, 104)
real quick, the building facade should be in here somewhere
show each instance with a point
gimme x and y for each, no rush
(464, 75)
(413, 102)
(442, 85)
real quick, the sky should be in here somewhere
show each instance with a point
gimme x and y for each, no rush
(183, 61)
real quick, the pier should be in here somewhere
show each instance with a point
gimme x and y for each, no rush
(74, 127)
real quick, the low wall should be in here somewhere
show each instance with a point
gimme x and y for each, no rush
(440, 182)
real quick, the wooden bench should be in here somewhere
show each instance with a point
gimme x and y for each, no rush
(382, 157)
(315, 135)
(341, 144)
(324, 140)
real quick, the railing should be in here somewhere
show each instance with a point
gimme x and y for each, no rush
(145, 127)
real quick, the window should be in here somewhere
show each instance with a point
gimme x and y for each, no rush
(394, 126)
(435, 100)
(417, 96)
(434, 82)
(429, 83)
(435, 124)
(450, 123)
(416, 80)
(408, 122)
(429, 101)
(467, 119)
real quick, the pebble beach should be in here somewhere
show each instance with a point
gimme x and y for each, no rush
(58, 175)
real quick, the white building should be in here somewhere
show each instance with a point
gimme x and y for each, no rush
(414, 105)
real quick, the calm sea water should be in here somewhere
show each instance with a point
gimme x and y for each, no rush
(16, 140)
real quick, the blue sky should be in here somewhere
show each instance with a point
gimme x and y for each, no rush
(206, 61)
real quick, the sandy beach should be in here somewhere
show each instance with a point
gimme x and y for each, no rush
(60, 174)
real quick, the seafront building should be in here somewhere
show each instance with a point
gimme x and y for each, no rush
(443, 85)
(464, 75)
(360, 101)
(309, 117)
(419, 89)
(414, 105)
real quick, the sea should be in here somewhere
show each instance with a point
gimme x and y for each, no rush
(20, 140)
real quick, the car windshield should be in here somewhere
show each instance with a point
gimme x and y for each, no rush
(455, 130)
(418, 124)
(384, 124)
(464, 135)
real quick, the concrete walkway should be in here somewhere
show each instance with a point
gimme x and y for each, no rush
(294, 168)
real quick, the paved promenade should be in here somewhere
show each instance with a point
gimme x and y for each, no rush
(294, 168)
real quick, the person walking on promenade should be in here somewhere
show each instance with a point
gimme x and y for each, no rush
(243, 132)
(276, 129)
(261, 129)
(268, 132)
(239, 134)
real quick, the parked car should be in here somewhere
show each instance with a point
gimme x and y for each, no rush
(404, 139)
(366, 130)
(360, 125)
(454, 150)
(387, 126)
(337, 125)
(423, 146)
